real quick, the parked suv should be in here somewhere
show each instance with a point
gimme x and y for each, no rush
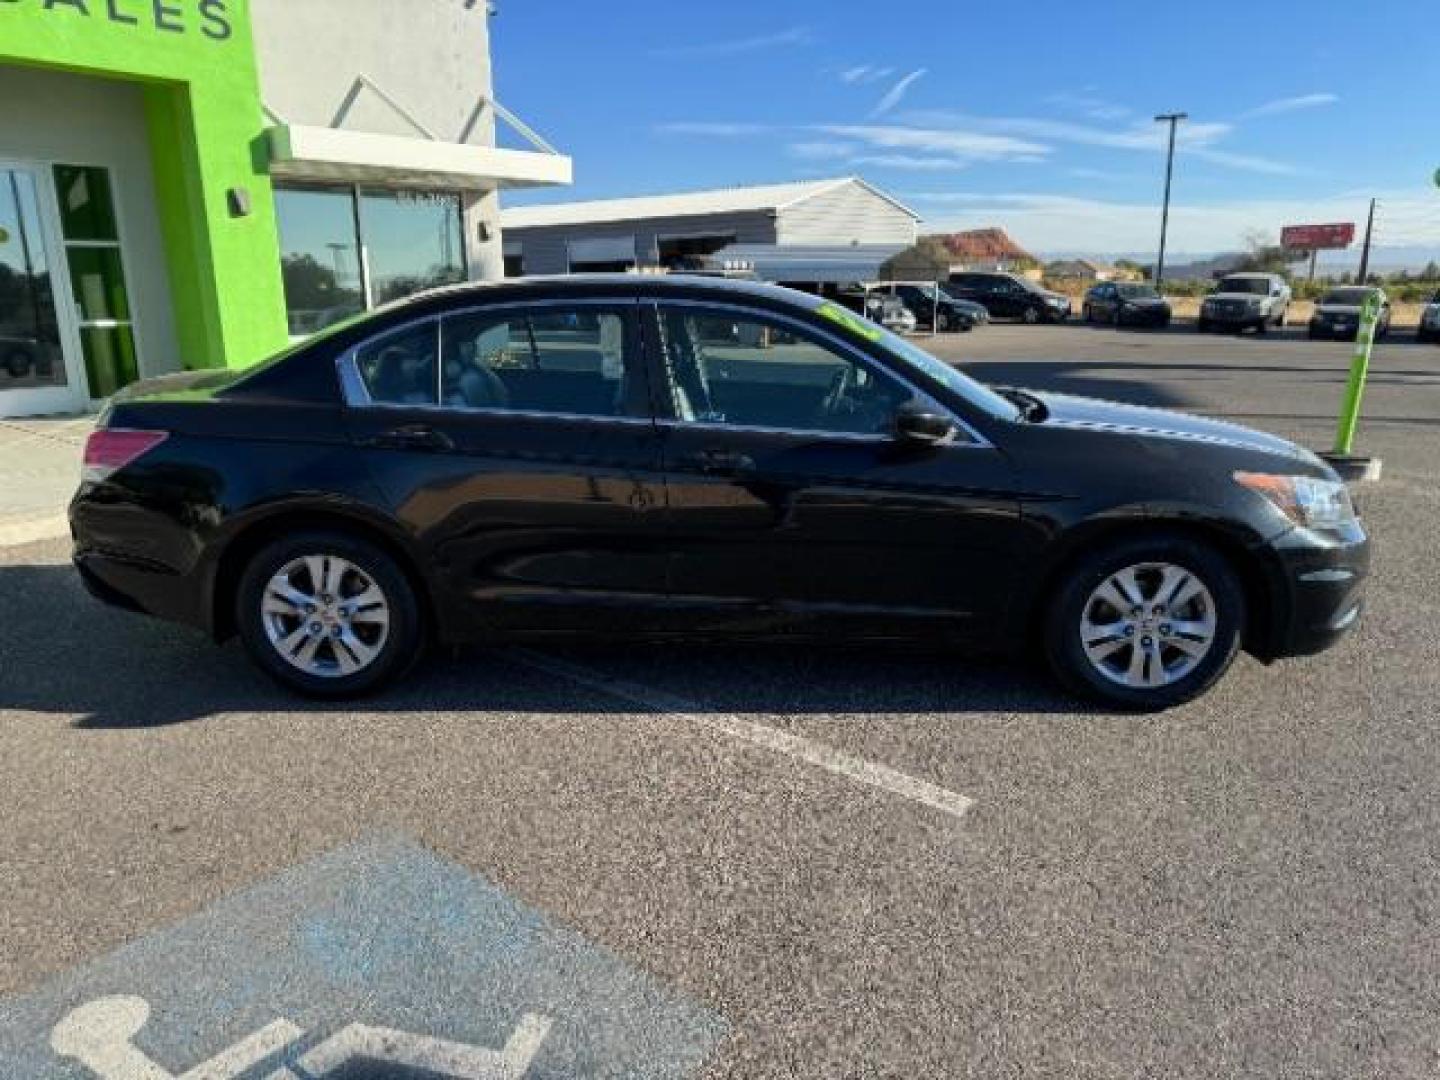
(1429, 329)
(1008, 296)
(1240, 301)
(1337, 313)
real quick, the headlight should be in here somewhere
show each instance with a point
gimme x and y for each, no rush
(1316, 504)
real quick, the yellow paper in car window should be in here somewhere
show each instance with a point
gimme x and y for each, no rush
(850, 321)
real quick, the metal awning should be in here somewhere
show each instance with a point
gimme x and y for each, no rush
(833, 265)
(322, 153)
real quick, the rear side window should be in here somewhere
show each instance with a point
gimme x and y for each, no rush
(401, 367)
(576, 362)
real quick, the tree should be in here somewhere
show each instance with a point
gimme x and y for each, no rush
(1263, 256)
(926, 260)
(1431, 271)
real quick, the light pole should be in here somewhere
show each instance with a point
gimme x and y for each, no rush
(1172, 119)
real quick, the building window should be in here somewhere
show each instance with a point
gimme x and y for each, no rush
(346, 249)
(514, 264)
(97, 277)
(30, 353)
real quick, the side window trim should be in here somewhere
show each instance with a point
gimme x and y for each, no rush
(356, 395)
(664, 391)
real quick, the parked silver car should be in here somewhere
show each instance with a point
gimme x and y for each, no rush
(1246, 301)
(1430, 321)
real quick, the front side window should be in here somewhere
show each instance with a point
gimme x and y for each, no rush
(746, 370)
(572, 362)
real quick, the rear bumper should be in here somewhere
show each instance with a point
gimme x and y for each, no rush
(135, 559)
(1319, 589)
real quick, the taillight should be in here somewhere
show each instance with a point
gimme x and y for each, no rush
(110, 449)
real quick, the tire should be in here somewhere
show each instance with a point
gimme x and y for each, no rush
(1262, 326)
(1218, 610)
(1202, 326)
(1030, 317)
(387, 639)
(1085, 314)
(1118, 319)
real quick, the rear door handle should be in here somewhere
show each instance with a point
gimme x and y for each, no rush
(414, 437)
(721, 462)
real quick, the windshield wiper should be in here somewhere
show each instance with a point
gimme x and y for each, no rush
(1032, 409)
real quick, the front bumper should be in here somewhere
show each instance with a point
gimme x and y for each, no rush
(1331, 328)
(1318, 590)
(1145, 316)
(1232, 316)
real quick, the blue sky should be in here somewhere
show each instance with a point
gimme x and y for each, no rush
(1032, 115)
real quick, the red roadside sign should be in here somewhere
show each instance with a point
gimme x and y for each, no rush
(1318, 237)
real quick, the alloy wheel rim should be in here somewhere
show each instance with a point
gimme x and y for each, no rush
(325, 616)
(1149, 625)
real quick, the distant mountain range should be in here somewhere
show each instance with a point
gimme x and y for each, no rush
(1203, 265)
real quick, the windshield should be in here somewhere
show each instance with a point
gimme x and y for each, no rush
(1348, 297)
(1259, 286)
(976, 393)
(1136, 292)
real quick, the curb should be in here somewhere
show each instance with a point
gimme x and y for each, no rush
(33, 530)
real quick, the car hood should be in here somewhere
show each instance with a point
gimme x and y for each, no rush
(1337, 309)
(1144, 301)
(1066, 410)
(1235, 296)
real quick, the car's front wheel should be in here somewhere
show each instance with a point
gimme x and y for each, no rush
(1145, 624)
(327, 614)
(1031, 316)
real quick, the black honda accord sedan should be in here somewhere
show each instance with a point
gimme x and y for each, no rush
(678, 456)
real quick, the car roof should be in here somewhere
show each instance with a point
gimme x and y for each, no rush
(616, 284)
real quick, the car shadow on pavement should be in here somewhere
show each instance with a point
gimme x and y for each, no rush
(66, 654)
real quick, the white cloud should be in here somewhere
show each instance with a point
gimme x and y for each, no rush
(896, 93)
(1290, 104)
(795, 35)
(1245, 162)
(1049, 222)
(864, 74)
(910, 162)
(821, 149)
(1197, 138)
(954, 143)
(716, 128)
(1087, 104)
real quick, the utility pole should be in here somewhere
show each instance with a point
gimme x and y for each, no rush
(1172, 119)
(1365, 251)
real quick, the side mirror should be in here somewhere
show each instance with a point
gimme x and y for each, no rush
(924, 428)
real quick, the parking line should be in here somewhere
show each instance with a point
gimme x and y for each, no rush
(821, 756)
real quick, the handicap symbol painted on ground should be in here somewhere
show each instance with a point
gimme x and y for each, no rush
(377, 960)
(100, 1035)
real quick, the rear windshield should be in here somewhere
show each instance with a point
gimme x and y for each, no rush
(1353, 297)
(1261, 286)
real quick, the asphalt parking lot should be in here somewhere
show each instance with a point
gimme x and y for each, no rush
(741, 862)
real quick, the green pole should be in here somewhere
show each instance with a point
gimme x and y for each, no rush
(1359, 368)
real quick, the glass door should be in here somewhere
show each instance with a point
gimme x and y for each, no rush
(39, 364)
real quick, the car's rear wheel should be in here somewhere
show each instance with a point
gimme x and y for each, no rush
(327, 614)
(1145, 624)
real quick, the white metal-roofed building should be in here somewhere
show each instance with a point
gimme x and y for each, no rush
(663, 230)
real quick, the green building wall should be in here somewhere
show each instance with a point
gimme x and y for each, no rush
(196, 61)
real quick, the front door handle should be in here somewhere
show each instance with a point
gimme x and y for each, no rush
(414, 437)
(721, 462)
